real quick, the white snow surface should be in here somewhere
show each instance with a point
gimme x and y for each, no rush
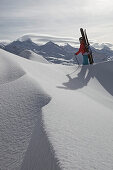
(33, 56)
(74, 129)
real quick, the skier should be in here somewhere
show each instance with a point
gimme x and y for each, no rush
(83, 50)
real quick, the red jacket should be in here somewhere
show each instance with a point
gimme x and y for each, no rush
(82, 49)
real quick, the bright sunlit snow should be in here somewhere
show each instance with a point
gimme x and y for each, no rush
(55, 117)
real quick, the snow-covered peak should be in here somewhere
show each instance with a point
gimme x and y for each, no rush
(24, 38)
(68, 48)
(18, 46)
(3, 43)
(50, 43)
(41, 39)
(103, 45)
(50, 49)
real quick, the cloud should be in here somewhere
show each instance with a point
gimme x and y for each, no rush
(61, 17)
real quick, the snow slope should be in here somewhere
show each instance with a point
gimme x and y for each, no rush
(33, 56)
(21, 103)
(77, 116)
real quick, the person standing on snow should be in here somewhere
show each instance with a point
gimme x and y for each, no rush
(83, 50)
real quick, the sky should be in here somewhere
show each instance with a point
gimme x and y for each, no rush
(57, 18)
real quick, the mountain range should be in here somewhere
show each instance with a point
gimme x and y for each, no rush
(55, 53)
(54, 116)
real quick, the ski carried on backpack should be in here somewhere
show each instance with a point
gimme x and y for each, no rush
(87, 45)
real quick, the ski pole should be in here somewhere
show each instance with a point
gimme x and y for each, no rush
(77, 60)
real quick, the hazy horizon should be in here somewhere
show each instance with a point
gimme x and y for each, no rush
(58, 18)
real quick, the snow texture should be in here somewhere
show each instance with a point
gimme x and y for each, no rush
(21, 126)
(73, 130)
(33, 56)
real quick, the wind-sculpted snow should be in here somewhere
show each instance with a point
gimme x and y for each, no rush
(21, 125)
(9, 70)
(84, 125)
(77, 118)
(28, 54)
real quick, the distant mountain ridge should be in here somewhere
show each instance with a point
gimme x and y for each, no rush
(50, 51)
(59, 54)
(18, 46)
(74, 42)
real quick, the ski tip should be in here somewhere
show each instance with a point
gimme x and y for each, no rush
(81, 28)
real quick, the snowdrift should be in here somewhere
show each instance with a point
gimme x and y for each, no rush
(72, 131)
(21, 126)
(28, 54)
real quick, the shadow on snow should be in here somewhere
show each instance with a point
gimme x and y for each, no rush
(103, 72)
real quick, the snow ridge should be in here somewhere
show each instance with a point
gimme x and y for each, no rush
(21, 124)
(77, 116)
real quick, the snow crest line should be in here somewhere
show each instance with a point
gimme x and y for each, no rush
(23, 141)
(9, 70)
(78, 120)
